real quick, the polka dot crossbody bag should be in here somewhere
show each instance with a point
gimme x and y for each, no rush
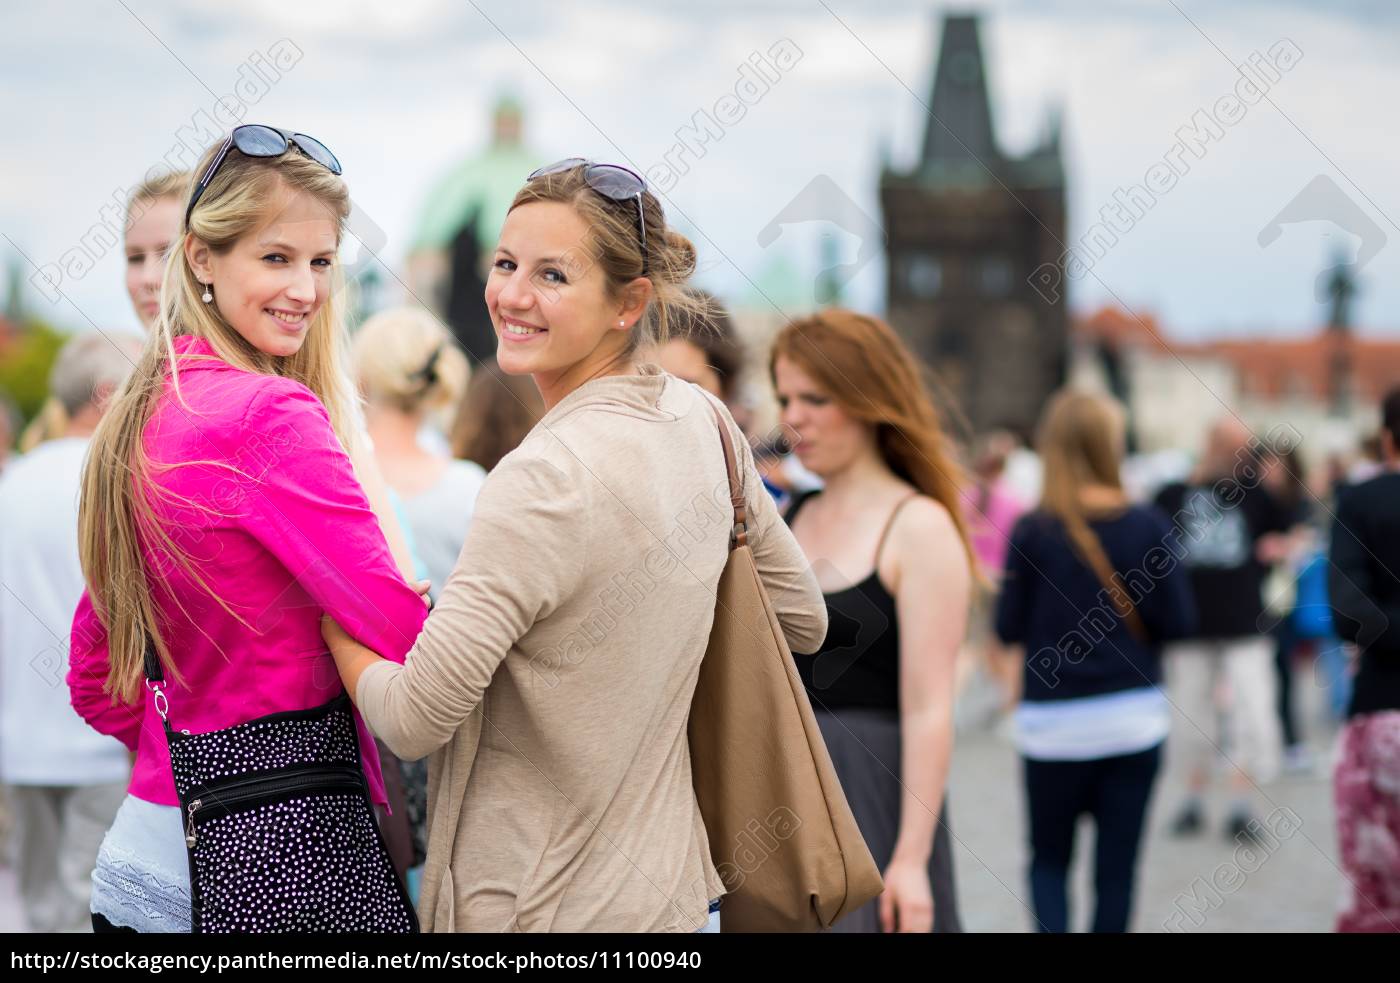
(279, 827)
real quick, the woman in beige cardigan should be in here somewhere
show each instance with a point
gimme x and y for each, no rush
(580, 608)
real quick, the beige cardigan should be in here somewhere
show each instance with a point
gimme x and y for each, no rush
(575, 623)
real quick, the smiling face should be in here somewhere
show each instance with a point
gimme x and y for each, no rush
(828, 439)
(554, 315)
(271, 283)
(151, 228)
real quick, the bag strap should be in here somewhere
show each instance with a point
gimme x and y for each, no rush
(155, 682)
(155, 672)
(739, 536)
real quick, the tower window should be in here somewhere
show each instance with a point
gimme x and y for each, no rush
(994, 276)
(923, 275)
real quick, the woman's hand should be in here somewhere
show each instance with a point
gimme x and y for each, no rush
(934, 589)
(352, 658)
(906, 905)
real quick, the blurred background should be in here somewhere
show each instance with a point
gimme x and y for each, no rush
(438, 110)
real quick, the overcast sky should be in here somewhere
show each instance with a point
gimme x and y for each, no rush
(94, 93)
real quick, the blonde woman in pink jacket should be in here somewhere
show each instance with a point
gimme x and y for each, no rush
(221, 516)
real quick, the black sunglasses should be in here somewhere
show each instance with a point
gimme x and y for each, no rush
(257, 140)
(612, 181)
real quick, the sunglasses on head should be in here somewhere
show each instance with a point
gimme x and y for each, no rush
(257, 140)
(613, 182)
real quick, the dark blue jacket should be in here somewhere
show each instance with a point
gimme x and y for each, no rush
(1052, 603)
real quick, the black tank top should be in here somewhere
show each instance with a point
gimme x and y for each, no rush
(858, 663)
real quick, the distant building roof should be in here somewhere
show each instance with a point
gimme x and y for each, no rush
(1268, 367)
(479, 189)
(1276, 368)
(1120, 328)
(960, 127)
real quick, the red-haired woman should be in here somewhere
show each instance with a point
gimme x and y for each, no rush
(887, 542)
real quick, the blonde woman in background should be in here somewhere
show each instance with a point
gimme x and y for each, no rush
(153, 215)
(408, 369)
(1092, 591)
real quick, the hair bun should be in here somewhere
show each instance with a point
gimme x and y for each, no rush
(680, 260)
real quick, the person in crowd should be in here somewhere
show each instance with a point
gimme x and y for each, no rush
(1297, 606)
(887, 537)
(152, 223)
(153, 217)
(992, 511)
(1285, 479)
(1231, 530)
(408, 369)
(494, 416)
(702, 348)
(1091, 592)
(63, 781)
(220, 514)
(585, 748)
(1365, 464)
(1364, 591)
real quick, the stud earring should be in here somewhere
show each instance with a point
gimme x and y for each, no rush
(622, 324)
(208, 297)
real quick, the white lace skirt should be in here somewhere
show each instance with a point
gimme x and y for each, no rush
(142, 878)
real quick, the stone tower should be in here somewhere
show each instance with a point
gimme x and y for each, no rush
(966, 227)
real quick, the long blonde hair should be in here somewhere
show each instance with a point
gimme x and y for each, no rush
(1081, 443)
(166, 184)
(116, 519)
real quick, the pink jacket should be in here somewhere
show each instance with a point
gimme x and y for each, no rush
(261, 498)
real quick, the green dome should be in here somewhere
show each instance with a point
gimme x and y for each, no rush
(481, 187)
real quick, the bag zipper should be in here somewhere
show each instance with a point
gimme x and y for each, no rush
(223, 799)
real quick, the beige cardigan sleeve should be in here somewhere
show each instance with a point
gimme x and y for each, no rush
(523, 556)
(786, 574)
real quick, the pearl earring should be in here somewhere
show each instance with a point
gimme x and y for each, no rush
(622, 324)
(208, 297)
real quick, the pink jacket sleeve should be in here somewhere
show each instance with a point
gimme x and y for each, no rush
(87, 672)
(306, 507)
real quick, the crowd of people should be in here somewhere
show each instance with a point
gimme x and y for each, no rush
(218, 528)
